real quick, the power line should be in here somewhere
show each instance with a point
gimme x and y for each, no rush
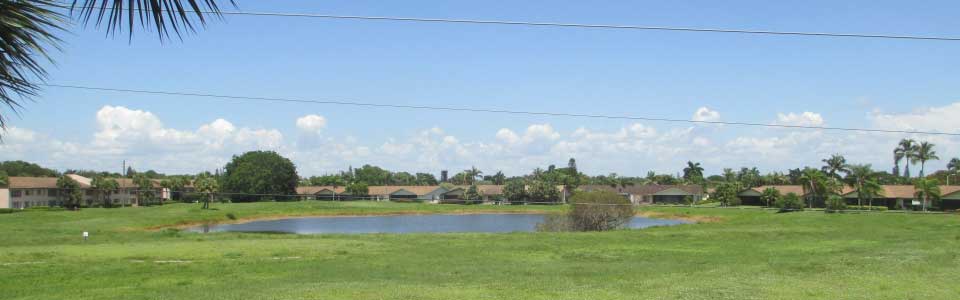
(488, 110)
(566, 25)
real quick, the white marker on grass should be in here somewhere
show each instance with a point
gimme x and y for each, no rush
(85, 236)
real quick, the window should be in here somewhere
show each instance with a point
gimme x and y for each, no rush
(16, 204)
(16, 193)
(52, 192)
(28, 192)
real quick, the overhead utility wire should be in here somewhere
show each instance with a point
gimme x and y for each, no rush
(567, 25)
(487, 110)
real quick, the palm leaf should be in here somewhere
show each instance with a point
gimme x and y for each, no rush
(26, 32)
(178, 16)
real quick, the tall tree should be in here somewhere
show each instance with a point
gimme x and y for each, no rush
(260, 175)
(954, 165)
(693, 172)
(770, 196)
(4, 179)
(29, 29)
(208, 187)
(515, 191)
(70, 192)
(499, 178)
(857, 178)
(144, 188)
(619, 182)
(926, 190)
(905, 150)
(105, 186)
(835, 165)
(925, 153)
(815, 184)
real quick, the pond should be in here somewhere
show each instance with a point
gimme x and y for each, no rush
(406, 224)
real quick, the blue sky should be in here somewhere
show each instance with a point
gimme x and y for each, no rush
(890, 84)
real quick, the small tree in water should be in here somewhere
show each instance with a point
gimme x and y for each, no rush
(592, 211)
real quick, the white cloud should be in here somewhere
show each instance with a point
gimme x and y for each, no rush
(144, 141)
(802, 119)
(940, 119)
(704, 114)
(312, 123)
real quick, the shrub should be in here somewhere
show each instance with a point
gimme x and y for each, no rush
(592, 211)
(835, 203)
(789, 202)
(8, 210)
(872, 208)
(231, 216)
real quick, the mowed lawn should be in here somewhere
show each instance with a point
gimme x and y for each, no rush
(747, 254)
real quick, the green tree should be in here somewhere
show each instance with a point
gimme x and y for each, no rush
(515, 191)
(472, 194)
(954, 165)
(543, 191)
(925, 153)
(208, 187)
(816, 184)
(256, 174)
(499, 178)
(29, 30)
(174, 186)
(105, 186)
(144, 188)
(835, 165)
(22, 168)
(619, 182)
(426, 179)
(70, 192)
(905, 150)
(726, 194)
(358, 189)
(789, 202)
(4, 179)
(835, 203)
(926, 190)
(693, 172)
(770, 196)
(857, 178)
(871, 189)
(599, 211)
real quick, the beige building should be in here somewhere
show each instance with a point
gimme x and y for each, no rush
(26, 192)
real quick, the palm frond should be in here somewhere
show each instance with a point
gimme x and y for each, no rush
(178, 16)
(27, 30)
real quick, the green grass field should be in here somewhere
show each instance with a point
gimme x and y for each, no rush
(748, 254)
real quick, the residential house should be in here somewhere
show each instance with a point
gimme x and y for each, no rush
(26, 192)
(652, 193)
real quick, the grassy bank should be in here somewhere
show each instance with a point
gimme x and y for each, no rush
(746, 254)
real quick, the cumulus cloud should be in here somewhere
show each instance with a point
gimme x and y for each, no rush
(802, 119)
(940, 119)
(141, 138)
(704, 114)
(312, 123)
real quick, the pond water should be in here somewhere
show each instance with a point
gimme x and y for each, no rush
(405, 224)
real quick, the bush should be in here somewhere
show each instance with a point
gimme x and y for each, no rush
(8, 210)
(835, 203)
(231, 216)
(871, 208)
(789, 202)
(592, 211)
(45, 208)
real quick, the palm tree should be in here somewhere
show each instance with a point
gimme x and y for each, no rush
(835, 165)
(925, 153)
(693, 172)
(953, 167)
(926, 190)
(29, 29)
(208, 187)
(870, 190)
(104, 187)
(815, 183)
(770, 196)
(857, 176)
(144, 187)
(905, 150)
(619, 182)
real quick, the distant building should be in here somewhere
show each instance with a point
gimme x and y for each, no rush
(26, 192)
